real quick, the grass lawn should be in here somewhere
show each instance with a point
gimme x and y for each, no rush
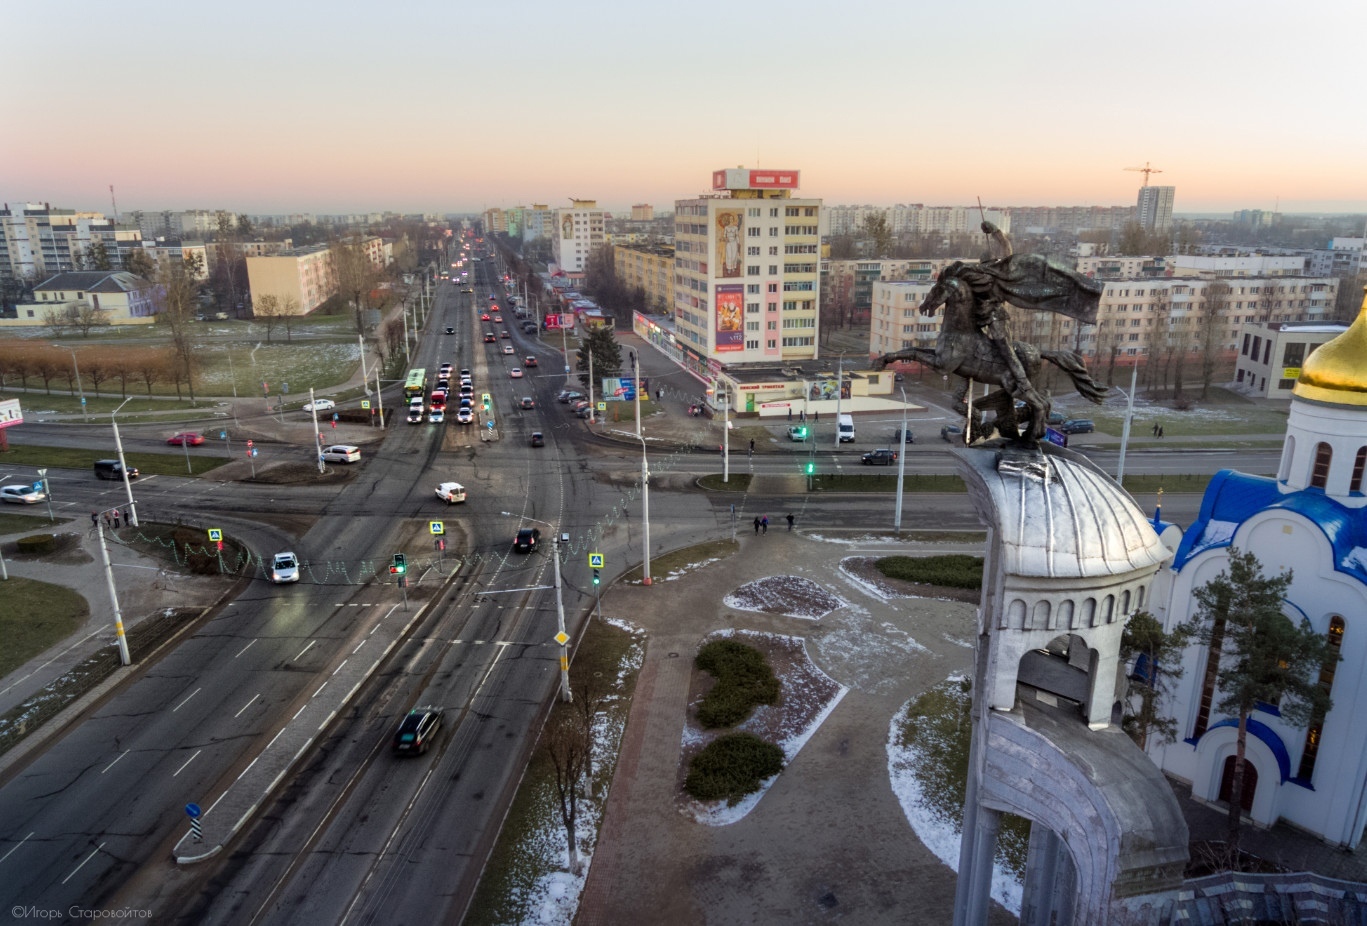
(33, 616)
(868, 482)
(740, 482)
(684, 559)
(160, 464)
(11, 522)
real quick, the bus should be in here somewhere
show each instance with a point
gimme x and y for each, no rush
(416, 384)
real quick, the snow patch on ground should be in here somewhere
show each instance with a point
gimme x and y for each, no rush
(939, 833)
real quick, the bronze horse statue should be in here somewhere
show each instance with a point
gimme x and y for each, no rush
(964, 349)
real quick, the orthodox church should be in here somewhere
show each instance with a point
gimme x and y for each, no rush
(1312, 520)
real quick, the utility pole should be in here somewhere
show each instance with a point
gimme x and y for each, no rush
(317, 434)
(124, 658)
(636, 371)
(365, 376)
(901, 462)
(726, 438)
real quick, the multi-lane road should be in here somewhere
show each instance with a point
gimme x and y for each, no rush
(355, 835)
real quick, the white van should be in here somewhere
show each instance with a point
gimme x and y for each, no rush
(845, 427)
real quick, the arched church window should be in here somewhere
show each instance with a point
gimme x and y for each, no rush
(1319, 475)
(1359, 462)
(1315, 734)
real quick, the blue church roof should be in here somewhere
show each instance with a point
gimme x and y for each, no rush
(1232, 498)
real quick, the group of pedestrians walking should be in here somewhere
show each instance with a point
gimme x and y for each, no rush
(762, 523)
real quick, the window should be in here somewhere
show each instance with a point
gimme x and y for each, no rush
(752, 308)
(752, 345)
(1293, 354)
(773, 231)
(752, 231)
(1355, 482)
(773, 251)
(752, 252)
(752, 270)
(771, 344)
(752, 289)
(1319, 473)
(773, 270)
(773, 287)
(1314, 735)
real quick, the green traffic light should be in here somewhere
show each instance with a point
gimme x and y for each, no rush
(811, 469)
(595, 577)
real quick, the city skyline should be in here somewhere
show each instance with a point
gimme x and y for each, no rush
(337, 109)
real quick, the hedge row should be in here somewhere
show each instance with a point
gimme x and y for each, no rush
(954, 570)
(732, 766)
(744, 681)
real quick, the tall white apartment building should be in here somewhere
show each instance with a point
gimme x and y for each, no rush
(747, 269)
(579, 232)
(1154, 210)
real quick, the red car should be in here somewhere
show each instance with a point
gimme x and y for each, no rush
(484, 317)
(186, 437)
(530, 361)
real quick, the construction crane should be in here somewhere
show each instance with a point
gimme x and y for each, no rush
(1146, 170)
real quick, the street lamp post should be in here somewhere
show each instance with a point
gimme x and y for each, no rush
(85, 413)
(123, 465)
(124, 658)
(1125, 433)
(561, 636)
(901, 462)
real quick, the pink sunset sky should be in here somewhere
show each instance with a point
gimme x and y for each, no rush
(455, 107)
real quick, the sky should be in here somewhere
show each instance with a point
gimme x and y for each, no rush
(304, 106)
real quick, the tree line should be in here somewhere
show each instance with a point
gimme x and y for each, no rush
(27, 365)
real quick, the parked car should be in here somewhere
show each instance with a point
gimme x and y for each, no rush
(569, 395)
(184, 438)
(113, 469)
(1077, 426)
(880, 457)
(584, 411)
(525, 541)
(451, 492)
(22, 494)
(537, 439)
(797, 433)
(284, 568)
(526, 402)
(417, 731)
(341, 453)
(320, 405)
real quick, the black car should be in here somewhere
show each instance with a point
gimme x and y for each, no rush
(908, 438)
(1077, 426)
(882, 457)
(450, 329)
(525, 541)
(537, 439)
(417, 730)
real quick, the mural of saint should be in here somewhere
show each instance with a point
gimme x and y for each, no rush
(729, 231)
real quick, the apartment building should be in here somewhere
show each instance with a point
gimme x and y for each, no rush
(1069, 219)
(847, 285)
(579, 232)
(747, 269)
(1343, 258)
(895, 322)
(1122, 268)
(651, 267)
(642, 212)
(1248, 265)
(300, 278)
(1154, 209)
(913, 219)
(38, 241)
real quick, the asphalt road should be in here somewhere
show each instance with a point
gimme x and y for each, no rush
(357, 836)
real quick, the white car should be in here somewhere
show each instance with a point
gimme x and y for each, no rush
(508, 349)
(320, 405)
(415, 414)
(341, 453)
(451, 492)
(515, 373)
(465, 416)
(284, 568)
(436, 415)
(22, 495)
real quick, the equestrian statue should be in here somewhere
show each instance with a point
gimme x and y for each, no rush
(976, 343)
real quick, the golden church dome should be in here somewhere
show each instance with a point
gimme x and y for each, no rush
(1336, 372)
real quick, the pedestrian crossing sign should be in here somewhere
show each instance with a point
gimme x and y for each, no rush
(437, 527)
(215, 535)
(595, 560)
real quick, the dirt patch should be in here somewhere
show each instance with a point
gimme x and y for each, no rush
(790, 596)
(864, 569)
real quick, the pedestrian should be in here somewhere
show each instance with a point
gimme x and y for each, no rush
(764, 524)
(106, 519)
(816, 415)
(802, 416)
(660, 394)
(756, 525)
(790, 522)
(1160, 432)
(116, 519)
(1155, 429)
(126, 518)
(752, 446)
(790, 414)
(94, 519)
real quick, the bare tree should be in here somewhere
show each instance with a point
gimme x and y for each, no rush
(153, 366)
(289, 311)
(56, 320)
(96, 369)
(1212, 319)
(589, 701)
(139, 262)
(566, 747)
(177, 313)
(83, 317)
(49, 364)
(267, 311)
(354, 274)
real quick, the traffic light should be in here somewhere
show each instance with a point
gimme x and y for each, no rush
(400, 565)
(802, 433)
(596, 578)
(810, 468)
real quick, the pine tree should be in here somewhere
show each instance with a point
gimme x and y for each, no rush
(607, 355)
(1263, 657)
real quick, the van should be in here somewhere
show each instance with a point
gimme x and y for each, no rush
(845, 427)
(113, 469)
